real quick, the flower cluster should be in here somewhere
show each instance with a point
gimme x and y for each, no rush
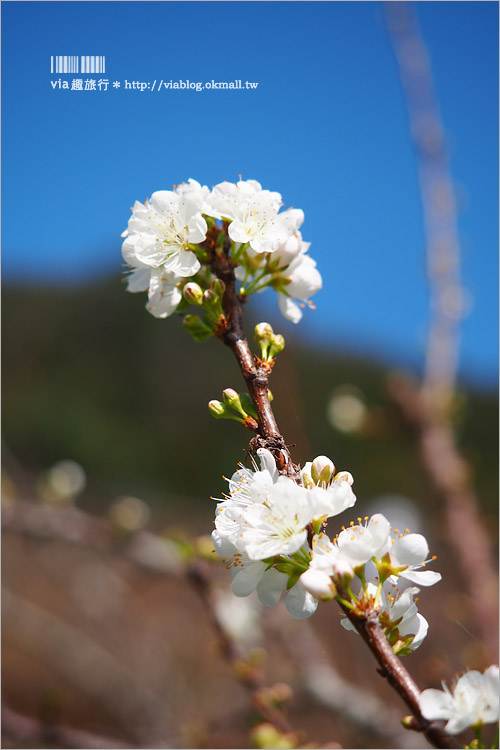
(262, 530)
(474, 701)
(270, 531)
(264, 526)
(167, 242)
(375, 564)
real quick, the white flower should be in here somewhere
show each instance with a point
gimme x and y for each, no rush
(291, 249)
(473, 701)
(303, 280)
(163, 293)
(253, 215)
(247, 487)
(402, 609)
(226, 198)
(360, 543)
(258, 223)
(266, 514)
(278, 526)
(410, 551)
(336, 496)
(328, 558)
(159, 231)
(397, 613)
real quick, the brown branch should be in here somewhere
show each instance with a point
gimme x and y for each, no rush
(427, 409)
(256, 376)
(358, 706)
(450, 476)
(369, 628)
(397, 676)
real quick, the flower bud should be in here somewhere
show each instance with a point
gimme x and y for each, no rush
(346, 476)
(232, 399)
(219, 287)
(193, 293)
(210, 298)
(322, 470)
(217, 409)
(319, 584)
(277, 346)
(263, 334)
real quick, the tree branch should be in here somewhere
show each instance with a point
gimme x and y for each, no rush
(256, 376)
(257, 382)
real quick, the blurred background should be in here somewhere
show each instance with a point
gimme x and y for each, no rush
(109, 454)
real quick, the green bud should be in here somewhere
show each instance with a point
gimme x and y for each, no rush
(217, 409)
(219, 287)
(193, 293)
(232, 399)
(210, 298)
(277, 346)
(197, 328)
(263, 334)
(322, 470)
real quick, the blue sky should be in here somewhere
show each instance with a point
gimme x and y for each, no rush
(326, 127)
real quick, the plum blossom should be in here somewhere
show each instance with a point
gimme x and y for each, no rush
(160, 230)
(225, 199)
(473, 701)
(300, 280)
(253, 215)
(266, 514)
(262, 526)
(401, 555)
(327, 558)
(409, 552)
(363, 542)
(398, 616)
(163, 292)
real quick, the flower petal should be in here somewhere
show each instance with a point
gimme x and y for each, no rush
(300, 603)
(435, 704)
(270, 587)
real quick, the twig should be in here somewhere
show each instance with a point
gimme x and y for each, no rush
(428, 409)
(358, 706)
(255, 376)
(451, 478)
(369, 627)
(397, 676)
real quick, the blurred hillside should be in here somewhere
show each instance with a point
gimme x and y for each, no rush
(90, 376)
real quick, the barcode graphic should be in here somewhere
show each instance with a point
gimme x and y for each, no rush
(77, 64)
